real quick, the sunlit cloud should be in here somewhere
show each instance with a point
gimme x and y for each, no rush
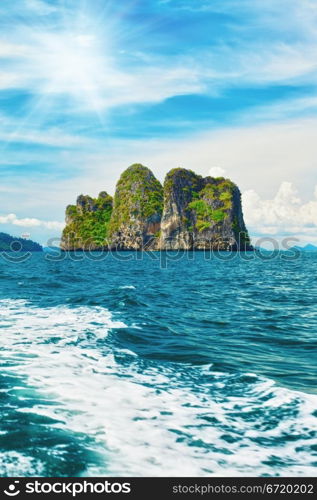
(48, 138)
(284, 214)
(92, 64)
(30, 222)
(81, 66)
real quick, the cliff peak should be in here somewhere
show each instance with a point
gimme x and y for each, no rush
(138, 206)
(201, 213)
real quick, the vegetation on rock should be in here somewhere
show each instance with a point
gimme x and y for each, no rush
(10, 243)
(87, 222)
(212, 203)
(199, 212)
(190, 212)
(138, 201)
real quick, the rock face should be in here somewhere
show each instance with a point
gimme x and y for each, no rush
(87, 223)
(180, 187)
(201, 213)
(190, 213)
(137, 211)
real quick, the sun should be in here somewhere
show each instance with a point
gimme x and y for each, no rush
(71, 64)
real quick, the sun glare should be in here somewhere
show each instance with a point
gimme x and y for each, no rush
(70, 64)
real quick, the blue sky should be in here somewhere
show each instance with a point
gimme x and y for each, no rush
(89, 87)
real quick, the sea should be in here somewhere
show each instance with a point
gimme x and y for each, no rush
(158, 364)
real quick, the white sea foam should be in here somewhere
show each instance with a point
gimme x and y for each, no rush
(148, 418)
(14, 464)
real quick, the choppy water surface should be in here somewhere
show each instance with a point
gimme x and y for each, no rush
(122, 367)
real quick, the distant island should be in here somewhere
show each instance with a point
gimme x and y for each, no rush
(10, 243)
(188, 212)
(307, 248)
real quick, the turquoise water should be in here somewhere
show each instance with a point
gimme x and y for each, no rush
(135, 366)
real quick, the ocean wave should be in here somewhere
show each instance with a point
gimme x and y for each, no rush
(143, 417)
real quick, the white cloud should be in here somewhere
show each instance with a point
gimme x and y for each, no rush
(47, 138)
(30, 222)
(12, 49)
(63, 57)
(269, 42)
(9, 80)
(284, 63)
(19, 130)
(217, 172)
(81, 66)
(257, 157)
(284, 214)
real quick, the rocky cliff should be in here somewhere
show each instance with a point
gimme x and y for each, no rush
(190, 212)
(137, 210)
(87, 223)
(201, 213)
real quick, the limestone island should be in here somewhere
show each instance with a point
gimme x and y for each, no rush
(189, 212)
